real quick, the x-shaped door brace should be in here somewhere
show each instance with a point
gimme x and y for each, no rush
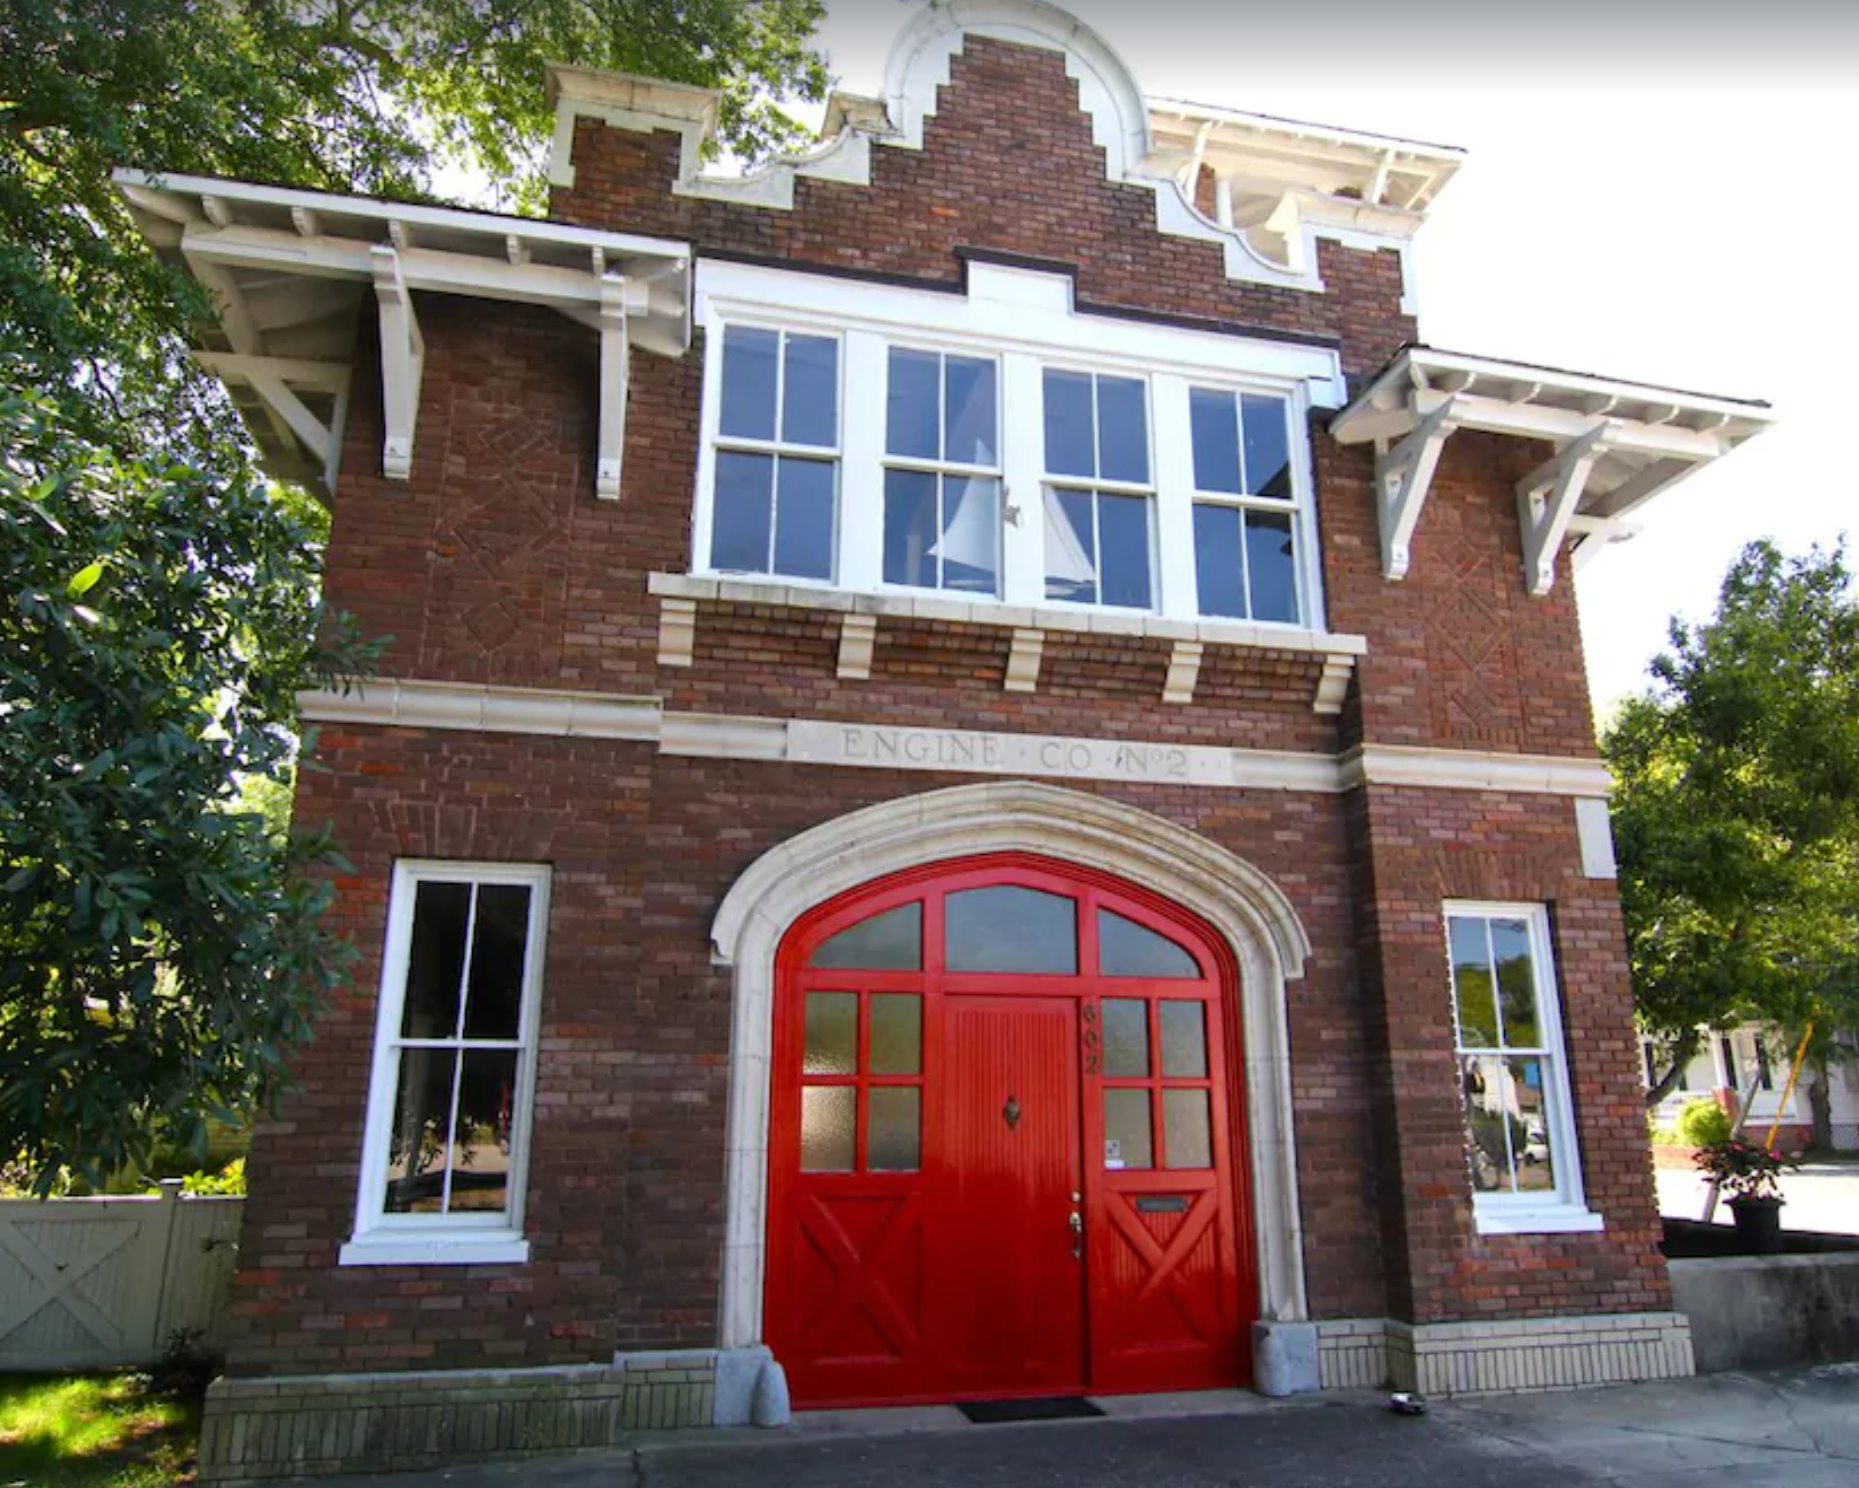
(1164, 1263)
(60, 1282)
(820, 1226)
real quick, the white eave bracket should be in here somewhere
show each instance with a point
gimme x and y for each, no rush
(288, 267)
(1616, 445)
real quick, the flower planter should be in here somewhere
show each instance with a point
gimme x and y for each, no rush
(1758, 1225)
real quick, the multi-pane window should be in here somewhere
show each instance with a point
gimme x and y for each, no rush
(1245, 515)
(942, 473)
(777, 454)
(1157, 1078)
(454, 1055)
(1513, 1086)
(1099, 490)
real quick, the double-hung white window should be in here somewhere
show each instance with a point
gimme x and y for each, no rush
(777, 454)
(1245, 506)
(447, 1138)
(1098, 492)
(1513, 1071)
(1002, 446)
(942, 472)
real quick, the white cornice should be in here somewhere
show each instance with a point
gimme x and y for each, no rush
(877, 745)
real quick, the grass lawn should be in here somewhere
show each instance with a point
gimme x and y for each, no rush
(94, 1431)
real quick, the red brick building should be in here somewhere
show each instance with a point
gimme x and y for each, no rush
(983, 783)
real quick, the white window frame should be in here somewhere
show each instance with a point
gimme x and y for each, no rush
(1298, 507)
(384, 1239)
(1024, 319)
(1100, 485)
(716, 442)
(1565, 1209)
(944, 467)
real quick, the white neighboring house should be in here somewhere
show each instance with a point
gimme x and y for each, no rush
(1752, 1054)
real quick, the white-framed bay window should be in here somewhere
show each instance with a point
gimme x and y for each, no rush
(1001, 445)
(1521, 1151)
(446, 1145)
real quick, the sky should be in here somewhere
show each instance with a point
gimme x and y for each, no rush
(1660, 192)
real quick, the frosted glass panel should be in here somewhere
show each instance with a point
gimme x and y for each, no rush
(1127, 1142)
(1188, 1131)
(1125, 948)
(896, 1034)
(1008, 928)
(1126, 1038)
(892, 941)
(828, 1128)
(832, 1034)
(893, 1143)
(1184, 1040)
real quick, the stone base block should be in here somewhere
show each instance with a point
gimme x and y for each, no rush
(1501, 1357)
(1285, 1359)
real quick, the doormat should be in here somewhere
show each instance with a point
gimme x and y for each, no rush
(1047, 1408)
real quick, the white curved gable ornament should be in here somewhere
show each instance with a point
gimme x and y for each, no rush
(919, 64)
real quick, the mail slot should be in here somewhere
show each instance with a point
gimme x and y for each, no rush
(1162, 1204)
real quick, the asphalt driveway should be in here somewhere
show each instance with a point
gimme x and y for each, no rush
(1793, 1430)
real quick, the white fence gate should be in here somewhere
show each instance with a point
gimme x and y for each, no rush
(92, 1283)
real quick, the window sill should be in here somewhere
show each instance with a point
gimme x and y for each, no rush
(1562, 1219)
(479, 1248)
(679, 595)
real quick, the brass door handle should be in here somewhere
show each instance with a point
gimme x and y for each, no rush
(1077, 1228)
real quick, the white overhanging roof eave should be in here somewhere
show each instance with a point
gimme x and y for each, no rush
(1615, 445)
(290, 268)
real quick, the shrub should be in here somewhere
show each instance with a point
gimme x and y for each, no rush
(229, 1180)
(1703, 1123)
(1744, 1170)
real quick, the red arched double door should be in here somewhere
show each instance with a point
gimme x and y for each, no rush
(1006, 1145)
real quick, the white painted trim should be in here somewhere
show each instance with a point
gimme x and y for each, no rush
(436, 1250)
(480, 708)
(1258, 921)
(1566, 1208)
(383, 1239)
(1468, 769)
(1594, 829)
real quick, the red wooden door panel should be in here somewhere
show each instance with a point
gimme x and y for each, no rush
(1007, 1295)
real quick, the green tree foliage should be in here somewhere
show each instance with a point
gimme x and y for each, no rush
(1736, 812)
(343, 95)
(158, 954)
(158, 604)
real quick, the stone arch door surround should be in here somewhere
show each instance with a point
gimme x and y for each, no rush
(1245, 907)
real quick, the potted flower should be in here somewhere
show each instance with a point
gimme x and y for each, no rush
(1749, 1175)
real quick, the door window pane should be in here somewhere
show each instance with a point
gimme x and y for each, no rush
(894, 1143)
(495, 1002)
(911, 404)
(1213, 420)
(1122, 431)
(892, 941)
(828, 1128)
(1125, 948)
(1071, 546)
(1271, 566)
(1126, 1038)
(749, 377)
(1127, 1137)
(1009, 928)
(1187, 1129)
(1184, 1040)
(1123, 531)
(1472, 989)
(1070, 424)
(436, 960)
(970, 406)
(1268, 450)
(743, 513)
(804, 518)
(810, 399)
(896, 1033)
(481, 1134)
(832, 1034)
